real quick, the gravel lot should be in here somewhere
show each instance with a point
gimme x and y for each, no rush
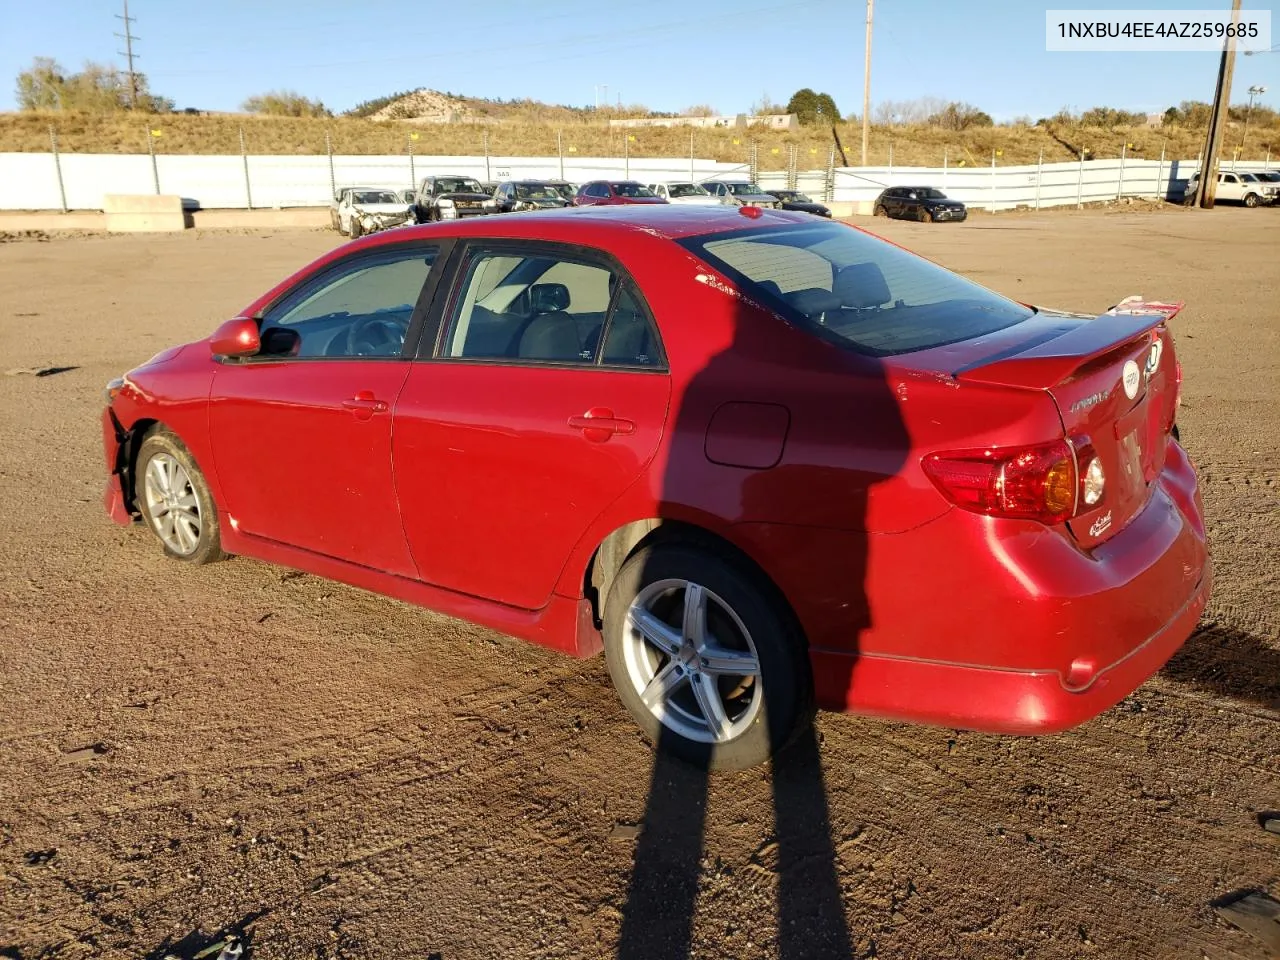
(186, 752)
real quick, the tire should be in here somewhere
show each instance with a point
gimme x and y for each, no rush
(760, 713)
(880, 211)
(1250, 199)
(356, 230)
(926, 215)
(167, 479)
(334, 220)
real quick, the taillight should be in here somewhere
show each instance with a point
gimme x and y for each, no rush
(1177, 396)
(1029, 483)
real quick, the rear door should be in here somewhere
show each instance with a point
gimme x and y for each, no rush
(543, 401)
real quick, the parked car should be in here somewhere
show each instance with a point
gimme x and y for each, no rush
(528, 195)
(450, 198)
(762, 460)
(927, 204)
(565, 188)
(684, 191)
(1235, 187)
(614, 192)
(741, 193)
(408, 196)
(361, 210)
(795, 200)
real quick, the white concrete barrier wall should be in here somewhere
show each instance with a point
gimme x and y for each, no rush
(29, 181)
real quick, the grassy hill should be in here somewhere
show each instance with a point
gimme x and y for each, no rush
(518, 133)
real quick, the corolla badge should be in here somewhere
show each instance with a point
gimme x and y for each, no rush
(1084, 403)
(1131, 377)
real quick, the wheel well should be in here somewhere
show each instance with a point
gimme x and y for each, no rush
(620, 545)
(132, 443)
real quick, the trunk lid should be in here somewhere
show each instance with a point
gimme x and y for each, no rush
(1114, 380)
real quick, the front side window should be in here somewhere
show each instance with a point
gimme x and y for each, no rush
(856, 289)
(360, 309)
(547, 307)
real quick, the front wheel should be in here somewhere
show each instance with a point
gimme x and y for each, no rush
(356, 228)
(1250, 199)
(709, 665)
(926, 215)
(175, 500)
(880, 211)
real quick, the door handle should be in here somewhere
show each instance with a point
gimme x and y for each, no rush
(364, 405)
(599, 424)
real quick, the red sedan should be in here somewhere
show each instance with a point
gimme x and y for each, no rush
(608, 193)
(765, 463)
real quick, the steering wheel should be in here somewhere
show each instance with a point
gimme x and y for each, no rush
(375, 336)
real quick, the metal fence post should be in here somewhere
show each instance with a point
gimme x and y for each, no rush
(155, 170)
(560, 151)
(944, 167)
(791, 166)
(1080, 184)
(57, 167)
(244, 158)
(829, 192)
(993, 181)
(1120, 186)
(891, 161)
(333, 180)
(692, 174)
(413, 174)
(1160, 192)
(626, 155)
(753, 162)
(485, 138)
(1039, 176)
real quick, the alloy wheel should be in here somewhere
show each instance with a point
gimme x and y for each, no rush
(172, 504)
(692, 661)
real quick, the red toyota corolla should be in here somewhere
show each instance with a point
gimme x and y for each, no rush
(604, 193)
(765, 463)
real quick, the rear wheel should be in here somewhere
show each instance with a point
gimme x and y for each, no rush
(334, 220)
(1250, 199)
(710, 666)
(175, 500)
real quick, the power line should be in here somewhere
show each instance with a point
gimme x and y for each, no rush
(128, 54)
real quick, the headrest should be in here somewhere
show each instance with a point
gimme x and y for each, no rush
(548, 297)
(813, 302)
(861, 285)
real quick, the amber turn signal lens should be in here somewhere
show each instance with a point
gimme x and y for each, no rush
(1060, 487)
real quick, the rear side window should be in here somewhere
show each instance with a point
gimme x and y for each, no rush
(855, 289)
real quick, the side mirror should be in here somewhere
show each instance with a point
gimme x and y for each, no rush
(235, 338)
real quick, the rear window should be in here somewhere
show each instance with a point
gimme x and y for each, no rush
(855, 289)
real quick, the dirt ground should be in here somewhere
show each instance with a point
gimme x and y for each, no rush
(186, 752)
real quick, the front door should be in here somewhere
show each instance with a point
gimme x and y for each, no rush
(301, 432)
(544, 402)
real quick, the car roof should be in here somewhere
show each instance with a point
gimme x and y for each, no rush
(588, 224)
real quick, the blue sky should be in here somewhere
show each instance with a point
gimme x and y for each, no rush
(666, 54)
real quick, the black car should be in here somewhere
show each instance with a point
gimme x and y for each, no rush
(448, 198)
(918, 203)
(529, 195)
(795, 200)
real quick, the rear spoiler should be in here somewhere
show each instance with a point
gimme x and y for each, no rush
(1052, 361)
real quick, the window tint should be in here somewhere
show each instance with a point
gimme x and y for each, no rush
(857, 289)
(631, 339)
(361, 310)
(547, 308)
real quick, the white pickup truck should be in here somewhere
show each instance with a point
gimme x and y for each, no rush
(1240, 187)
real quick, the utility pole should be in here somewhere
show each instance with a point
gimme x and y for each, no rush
(866, 89)
(128, 54)
(1207, 188)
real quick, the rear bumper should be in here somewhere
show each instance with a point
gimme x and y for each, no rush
(1012, 628)
(993, 700)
